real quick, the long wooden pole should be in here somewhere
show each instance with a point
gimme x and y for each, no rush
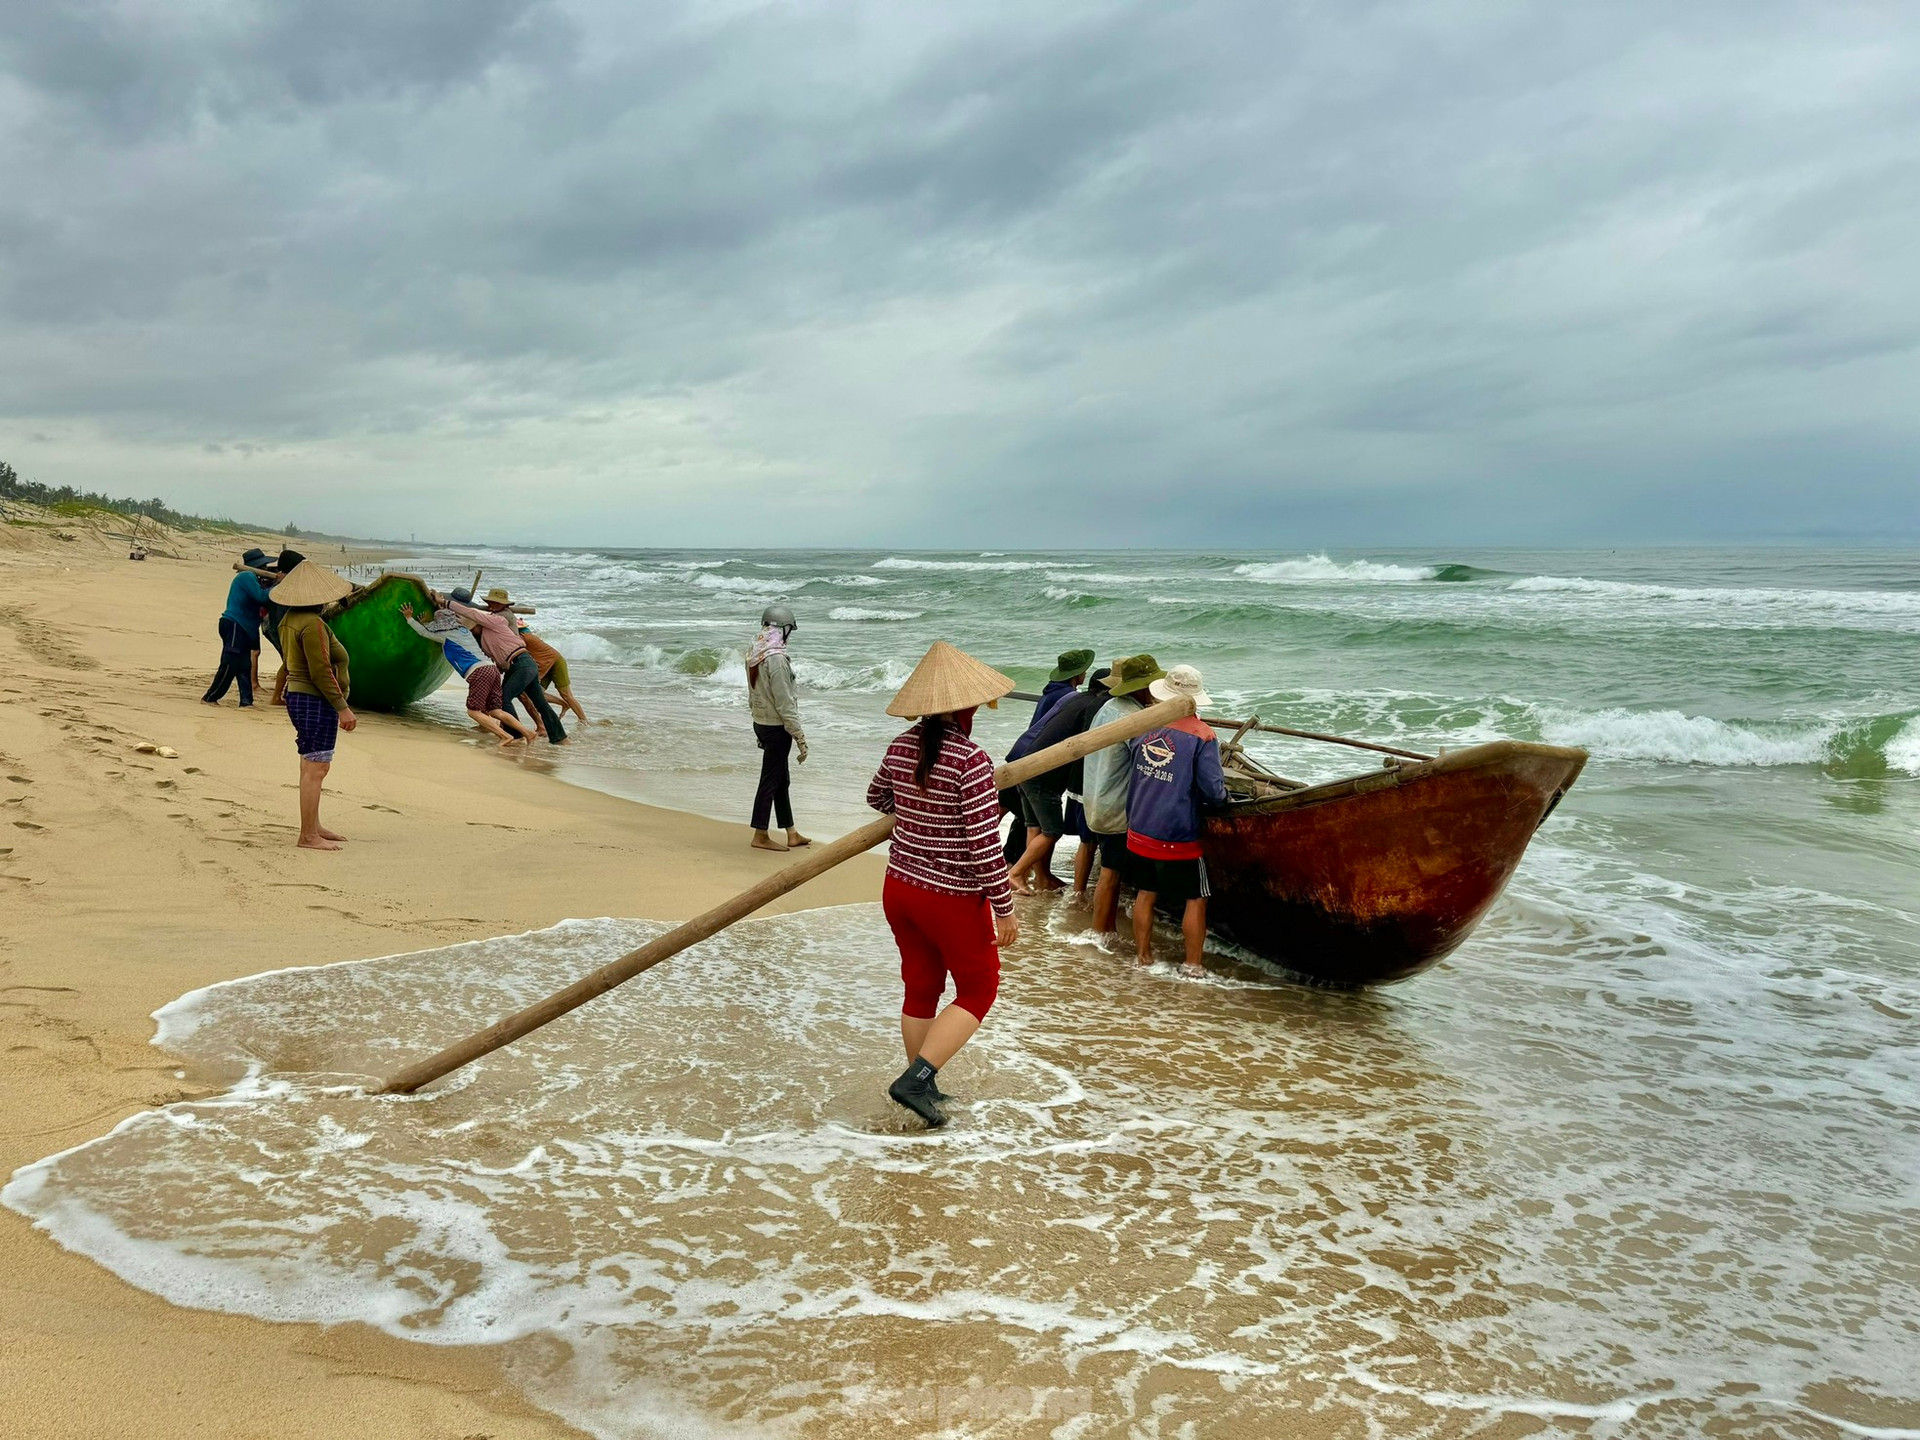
(712, 922)
(1283, 730)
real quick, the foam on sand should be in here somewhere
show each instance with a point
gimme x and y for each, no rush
(689, 1205)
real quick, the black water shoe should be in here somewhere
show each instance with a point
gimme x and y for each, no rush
(915, 1090)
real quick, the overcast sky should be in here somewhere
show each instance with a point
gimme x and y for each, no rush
(1260, 274)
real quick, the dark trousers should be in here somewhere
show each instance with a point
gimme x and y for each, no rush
(236, 663)
(1017, 836)
(522, 682)
(774, 798)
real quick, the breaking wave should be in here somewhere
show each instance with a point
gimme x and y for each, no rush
(1853, 748)
(1755, 604)
(856, 612)
(903, 562)
(1322, 568)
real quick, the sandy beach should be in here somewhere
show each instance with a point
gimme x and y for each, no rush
(127, 879)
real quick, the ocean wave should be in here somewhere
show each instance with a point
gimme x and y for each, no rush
(1849, 747)
(1682, 739)
(743, 584)
(1903, 750)
(888, 675)
(617, 574)
(1075, 599)
(902, 562)
(856, 612)
(1322, 568)
(1105, 577)
(583, 645)
(1721, 598)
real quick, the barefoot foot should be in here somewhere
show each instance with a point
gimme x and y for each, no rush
(796, 841)
(326, 834)
(317, 842)
(764, 841)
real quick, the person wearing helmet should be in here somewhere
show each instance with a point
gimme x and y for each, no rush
(776, 727)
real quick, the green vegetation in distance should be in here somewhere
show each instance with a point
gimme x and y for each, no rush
(65, 500)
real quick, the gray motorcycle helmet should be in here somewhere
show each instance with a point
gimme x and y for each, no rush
(779, 615)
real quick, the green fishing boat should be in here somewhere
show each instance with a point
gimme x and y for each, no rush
(388, 666)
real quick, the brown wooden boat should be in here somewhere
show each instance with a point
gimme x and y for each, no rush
(1376, 877)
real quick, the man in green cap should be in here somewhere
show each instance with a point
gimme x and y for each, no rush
(1107, 774)
(1036, 822)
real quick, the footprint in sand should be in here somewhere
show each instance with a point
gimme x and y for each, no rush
(19, 779)
(387, 808)
(27, 825)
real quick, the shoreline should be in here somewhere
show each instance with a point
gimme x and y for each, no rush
(130, 880)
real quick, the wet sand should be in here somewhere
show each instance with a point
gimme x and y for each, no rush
(127, 880)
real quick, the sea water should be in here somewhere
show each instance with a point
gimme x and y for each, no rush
(1641, 1159)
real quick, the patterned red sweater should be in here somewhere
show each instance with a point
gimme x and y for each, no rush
(948, 837)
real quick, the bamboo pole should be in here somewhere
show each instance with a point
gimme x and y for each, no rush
(1330, 739)
(712, 922)
(1253, 724)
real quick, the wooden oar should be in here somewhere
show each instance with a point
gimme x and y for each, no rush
(1245, 725)
(705, 926)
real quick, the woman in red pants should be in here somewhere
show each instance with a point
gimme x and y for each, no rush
(946, 894)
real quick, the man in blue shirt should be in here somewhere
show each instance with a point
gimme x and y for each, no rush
(1041, 814)
(240, 632)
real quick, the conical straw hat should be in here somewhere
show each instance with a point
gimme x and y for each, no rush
(947, 679)
(310, 583)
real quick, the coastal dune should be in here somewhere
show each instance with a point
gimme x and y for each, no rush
(128, 879)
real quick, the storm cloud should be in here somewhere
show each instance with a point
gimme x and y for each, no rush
(1262, 273)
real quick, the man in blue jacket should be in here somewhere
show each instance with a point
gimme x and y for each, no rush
(1042, 812)
(1176, 775)
(240, 632)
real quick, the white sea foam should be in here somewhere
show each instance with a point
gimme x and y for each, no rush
(1683, 739)
(1674, 1167)
(1322, 568)
(1903, 750)
(1738, 605)
(584, 645)
(905, 562)
(856, 612)
(744, 584)
(887, 676)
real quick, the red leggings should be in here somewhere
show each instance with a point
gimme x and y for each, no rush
(941, 934)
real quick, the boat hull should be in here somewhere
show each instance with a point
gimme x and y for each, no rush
(1374, 878)
(388, 666)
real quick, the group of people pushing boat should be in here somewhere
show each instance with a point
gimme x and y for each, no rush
(489, 645)
(1136, 808)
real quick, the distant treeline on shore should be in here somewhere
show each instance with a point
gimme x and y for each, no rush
(64, 499)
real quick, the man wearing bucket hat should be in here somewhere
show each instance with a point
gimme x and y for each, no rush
(1176, 775)
(317, 687)
(500, 638)
(1104, 782)
(1042, 812)
(946, 895)
(240, 631)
